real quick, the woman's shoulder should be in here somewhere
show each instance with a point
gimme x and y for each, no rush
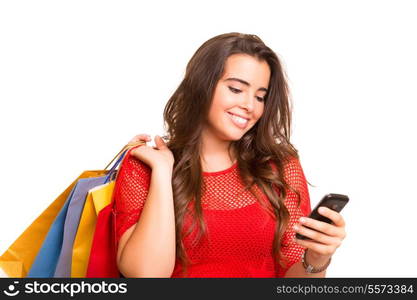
(132, 184)
(293, 172)
(295, 178)
(290, 164)
(133, 168)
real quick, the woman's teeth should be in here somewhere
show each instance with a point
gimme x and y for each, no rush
(239, 119)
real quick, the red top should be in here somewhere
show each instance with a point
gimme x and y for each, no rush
(240, 231)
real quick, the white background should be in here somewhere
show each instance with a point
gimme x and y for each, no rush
(78, 79)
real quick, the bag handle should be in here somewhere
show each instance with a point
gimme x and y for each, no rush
(119, 156)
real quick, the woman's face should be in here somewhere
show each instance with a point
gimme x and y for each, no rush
(240, 92)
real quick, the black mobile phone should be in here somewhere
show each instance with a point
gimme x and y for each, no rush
(332, 201)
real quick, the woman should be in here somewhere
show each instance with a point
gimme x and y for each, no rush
(224, 196)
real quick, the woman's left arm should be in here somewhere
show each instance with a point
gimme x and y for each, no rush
(325, 239)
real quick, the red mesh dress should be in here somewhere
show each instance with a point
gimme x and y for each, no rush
(240, 231)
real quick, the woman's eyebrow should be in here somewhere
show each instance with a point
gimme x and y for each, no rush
(245, 83)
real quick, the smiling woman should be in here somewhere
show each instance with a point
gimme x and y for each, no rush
(237, 101)
(221, 193)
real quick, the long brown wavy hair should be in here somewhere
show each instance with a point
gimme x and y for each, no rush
(267, 140)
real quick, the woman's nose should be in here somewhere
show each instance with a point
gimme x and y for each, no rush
(248, 103)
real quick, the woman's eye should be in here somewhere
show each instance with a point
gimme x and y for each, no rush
(234, 90)
(237, 91)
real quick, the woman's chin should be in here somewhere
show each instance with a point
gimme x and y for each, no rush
(234, 136)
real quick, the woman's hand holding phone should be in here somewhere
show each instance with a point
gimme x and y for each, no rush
(321, 238)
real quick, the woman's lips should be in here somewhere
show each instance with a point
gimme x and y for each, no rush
(240, 125)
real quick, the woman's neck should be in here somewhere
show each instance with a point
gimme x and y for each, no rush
(216, 154)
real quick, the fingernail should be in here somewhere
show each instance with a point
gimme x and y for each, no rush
(302, 220)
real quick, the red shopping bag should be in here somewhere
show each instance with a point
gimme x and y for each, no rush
(103, 255)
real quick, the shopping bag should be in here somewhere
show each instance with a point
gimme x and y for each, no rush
(19, 257)
(102, 262)
(63, 265)
(46, 261)
(103, 256)
(97, 199)
(54, 258)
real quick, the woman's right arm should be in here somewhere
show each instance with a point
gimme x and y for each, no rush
(147, 249)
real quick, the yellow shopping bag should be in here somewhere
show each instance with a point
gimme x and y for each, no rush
(97, 199)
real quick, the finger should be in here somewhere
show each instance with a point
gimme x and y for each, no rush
(317, 247)
(332, 215)
(314, 235)
(159, 142)
(144, 136)
(134, 150)
(324, 227)
(140, 137)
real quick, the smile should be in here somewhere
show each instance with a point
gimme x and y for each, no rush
(238, 121)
